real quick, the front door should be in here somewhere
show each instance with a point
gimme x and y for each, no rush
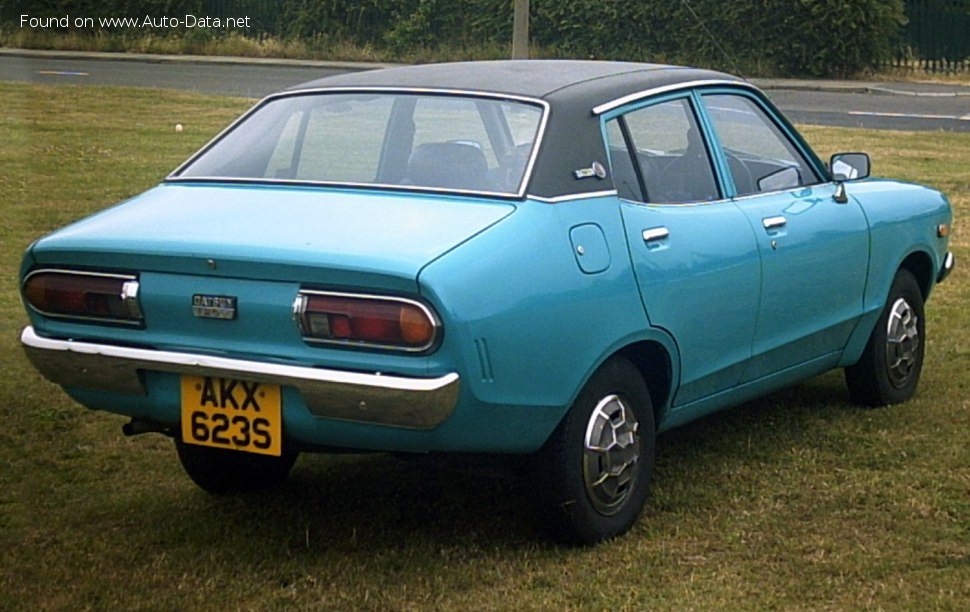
(814, 250)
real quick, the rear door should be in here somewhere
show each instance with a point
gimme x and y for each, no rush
(694, 254)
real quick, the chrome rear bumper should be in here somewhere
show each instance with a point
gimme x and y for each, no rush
(414, 403)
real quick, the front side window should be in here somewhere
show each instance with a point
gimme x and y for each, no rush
(760, 156)
(392, 139)
(669, 154)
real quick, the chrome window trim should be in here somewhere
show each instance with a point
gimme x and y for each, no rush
(772, 114)
(569, 197)
(466, 93)
(761, 194)
(128, 295)
(342, 185)
(299, 309)
(655, 91)
(677, 204)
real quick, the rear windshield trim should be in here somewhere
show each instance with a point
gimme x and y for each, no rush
(459, 93)
(341, 185)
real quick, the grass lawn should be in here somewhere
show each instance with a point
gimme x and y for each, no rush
(798, 500)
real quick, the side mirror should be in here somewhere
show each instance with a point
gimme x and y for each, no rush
(849, 166)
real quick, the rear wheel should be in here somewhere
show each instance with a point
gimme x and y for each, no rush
(593, 475)
(890, 366)
(227, 471)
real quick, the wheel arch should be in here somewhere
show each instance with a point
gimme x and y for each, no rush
(653, 361)
(888, 369)
(920, 265)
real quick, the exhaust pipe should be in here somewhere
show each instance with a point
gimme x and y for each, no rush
(136, 427)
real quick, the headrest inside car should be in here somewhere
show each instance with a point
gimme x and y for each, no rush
(448, 165)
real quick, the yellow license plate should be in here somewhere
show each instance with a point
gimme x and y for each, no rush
(232, 414)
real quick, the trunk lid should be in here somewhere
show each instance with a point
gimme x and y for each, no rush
(293, 234)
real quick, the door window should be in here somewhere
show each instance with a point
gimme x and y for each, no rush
(669, 152)
(760, 156)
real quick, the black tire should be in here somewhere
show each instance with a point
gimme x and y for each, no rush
(228, 471)
(890, 366)
(571, 506)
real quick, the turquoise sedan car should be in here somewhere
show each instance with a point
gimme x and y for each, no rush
(552, 259)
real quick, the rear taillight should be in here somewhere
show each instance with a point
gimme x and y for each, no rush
(363, 320)
(84, 296)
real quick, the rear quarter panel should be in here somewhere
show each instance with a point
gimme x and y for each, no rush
(524, 324)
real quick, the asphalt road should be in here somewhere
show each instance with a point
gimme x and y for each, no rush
(247, 80)
(893, 106)
(912, 108)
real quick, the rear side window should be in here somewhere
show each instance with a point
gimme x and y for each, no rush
(625, 177)
(668, 154)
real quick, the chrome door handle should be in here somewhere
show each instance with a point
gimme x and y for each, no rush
(774, 222)
(655, 233)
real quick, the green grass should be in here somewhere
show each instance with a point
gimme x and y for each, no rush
(798, 500)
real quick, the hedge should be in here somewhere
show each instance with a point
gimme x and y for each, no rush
(789, 37)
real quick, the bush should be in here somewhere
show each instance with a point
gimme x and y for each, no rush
(847, 37)
(790, 37)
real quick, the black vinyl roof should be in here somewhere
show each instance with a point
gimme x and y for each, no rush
(586, 82)
(572, 89)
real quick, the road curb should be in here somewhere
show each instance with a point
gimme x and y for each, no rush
(785, 85)
(191, 59)
(768, 84)
(860, 88)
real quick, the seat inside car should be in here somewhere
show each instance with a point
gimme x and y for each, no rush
(687, 178)
(448, 165)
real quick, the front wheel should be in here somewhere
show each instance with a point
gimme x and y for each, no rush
(229, 471)
(593, 475)
(889, 369)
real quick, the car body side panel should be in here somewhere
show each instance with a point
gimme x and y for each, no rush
(903, 220)
(814, 275)
(814, 251)
(750, 390)
(701, 283)
(533, 295)
(526, 325)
